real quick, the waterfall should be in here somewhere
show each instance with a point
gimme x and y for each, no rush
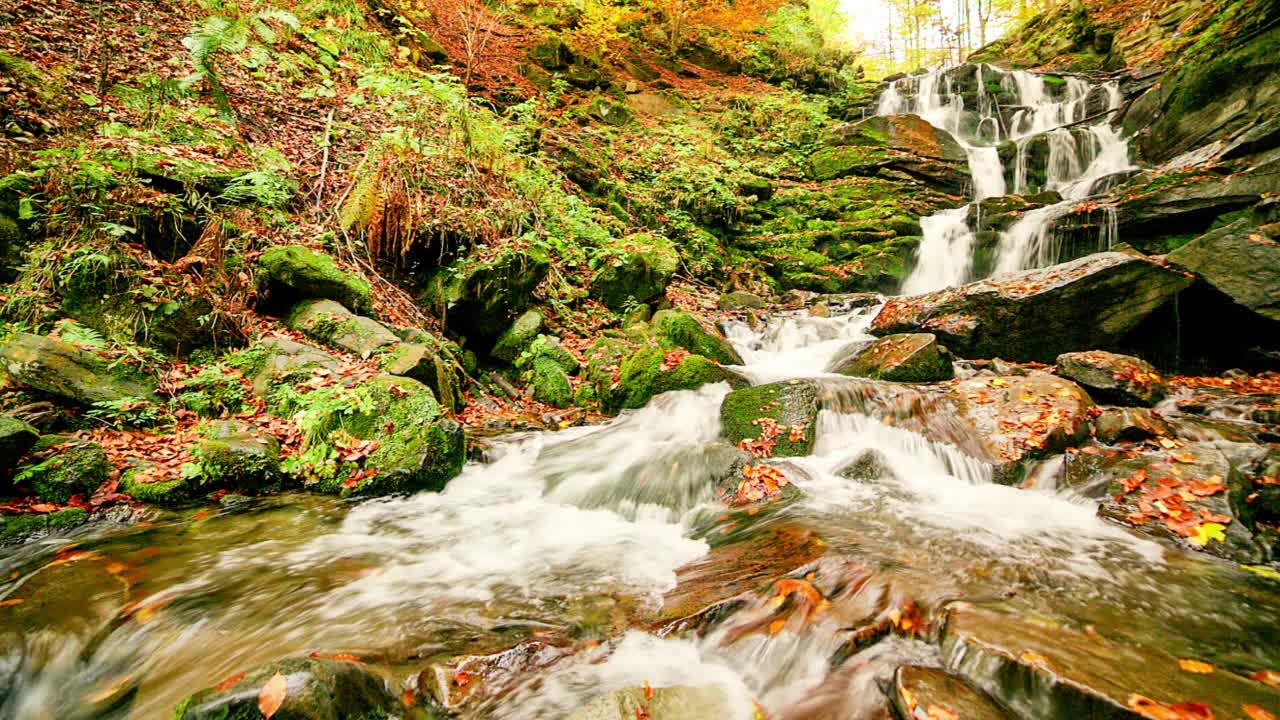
(1078, 160)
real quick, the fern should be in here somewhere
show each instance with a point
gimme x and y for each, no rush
(80, 335)
(218, 34)
(261, 187)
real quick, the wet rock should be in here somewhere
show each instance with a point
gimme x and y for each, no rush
(317, 689)
(740, 300)
(1041, 669)
(329, 322)
(480, 299)
(893, 145)
(1039, 314)
(21, 528)
(1239, 260)
(1122, 379)
(1124, 424)
(60, 467)
(16, 438)
(139, 483)
(661, 703)
(1023, 416)
(868, 466)
(234, 455)
(295, 273)
(645, 373)
(922, 692)
(280, 358)
(821, 310)
(519, 336)
(907, 357)
(680, 329)
(62, 369)
(418, 447)
(778, 417)
(636, 270)
(1191, 494)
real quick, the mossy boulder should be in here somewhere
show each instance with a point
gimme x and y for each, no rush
(680, 329)
(1112, 377)
(626, 377)
(294, 272)
(636, 270)
(906, 357)
(16, 528)
(739, 300)
(236, 456)
(433, 362)
(316, 689)
(64, 370)
(608, 111)
(550, 383)
(16, 438)
(782, 413)
(548, 347)
(276, 359)
(480, 299)
(138, 482)
(331, 323)
(419, 448)
(519, 336)
(60, 467)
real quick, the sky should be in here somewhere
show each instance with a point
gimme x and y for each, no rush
(868, 19)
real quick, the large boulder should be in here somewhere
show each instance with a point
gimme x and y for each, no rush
(1240, 260)
(480, 298)
(62, 369)
(237, 456)
(275, 359)
(895, 144)
(16, 438)
(314, 688)
(1022, 416)
(329, 322)
(907, 357)
(625, 378)
(59, 467)
(519, 336)
(635, 270)
(436, 363)
(772, 420)
(1037, 315)
(680, 329)
(1126, 424)
(414, 445)
(295, 272)
(1122, 379)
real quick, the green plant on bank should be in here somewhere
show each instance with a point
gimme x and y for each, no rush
(127, 413)
(218, 35)
(217, 390)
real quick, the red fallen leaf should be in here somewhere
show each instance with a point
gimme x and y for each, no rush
(347, 657)
(43, 508)
(272, 695)
(1267, 677)
(229, 682)
(409, 699)
(648, 691)
(461, 679)
(1155, 710)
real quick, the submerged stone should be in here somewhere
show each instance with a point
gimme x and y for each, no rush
(315, 689)
(934, 694)
(296, 273)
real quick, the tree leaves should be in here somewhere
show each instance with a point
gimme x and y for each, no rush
(272, 695)
(1195, 667)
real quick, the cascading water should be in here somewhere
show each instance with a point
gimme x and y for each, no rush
(575, 531)
(1036, 121)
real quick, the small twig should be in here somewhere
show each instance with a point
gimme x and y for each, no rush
(324, 161)
(506, 386)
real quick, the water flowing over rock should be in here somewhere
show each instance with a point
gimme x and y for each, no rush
(1090, 303)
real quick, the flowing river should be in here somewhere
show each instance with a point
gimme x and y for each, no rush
(613, 534)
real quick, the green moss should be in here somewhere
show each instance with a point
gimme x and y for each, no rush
(791, 404)
(214, 391)
(635, 270)
(233, 458)
(838, 162)
(17, 527)
(168, 492)
(519, 336)
(549, 348)
(299, 272)
(67, 518)
(680, 329)
(642, 376)
(71, 468)
(550, 383)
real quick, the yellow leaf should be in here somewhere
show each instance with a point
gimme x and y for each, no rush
(272, 695)
(1034, 658)
(1257, 713)
(1195, 667)
(1206, 532)
(999, 382)
(1264, 571)
(776, 626)
(935, 712)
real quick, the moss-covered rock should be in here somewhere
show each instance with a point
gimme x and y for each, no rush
(479, 300)
(16, 438)
(137, 483)
(62, 369)
(59, 467)
(626, 376)
(16, 528)
(433, 362)
(329, 322)
(315, 689)
(294, 272)
(781, 413)
(739, 300)
(636, 270)
(519, 336)
(550, 383)
(608, 111)
(276, 359)
(1112, 377)
(680, 329)
(906, 357)
(418, 447)
(548, 347)
(236, 456)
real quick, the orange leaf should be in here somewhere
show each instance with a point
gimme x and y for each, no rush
(11, 601)
(1267, 677)
(1034, 658)
(348, 658)
(229, 682)
(272, 695)
(935, 712)
(648, 691)
(1155, 710)
(1257, 713)
(1195, 666)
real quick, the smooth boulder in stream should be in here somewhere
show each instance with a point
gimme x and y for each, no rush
(1036, 315)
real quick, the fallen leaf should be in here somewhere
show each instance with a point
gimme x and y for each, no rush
(648, 690)
(1257, 713)
(935, 712)
(272, 695)
(1195, 667)
(229, 682)
(1267, 677)
(1034, 658)
(348, 658)
(1155, 710)
(1206, 532)
(11, 602)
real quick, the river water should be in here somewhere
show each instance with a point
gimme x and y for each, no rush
(588, 534)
